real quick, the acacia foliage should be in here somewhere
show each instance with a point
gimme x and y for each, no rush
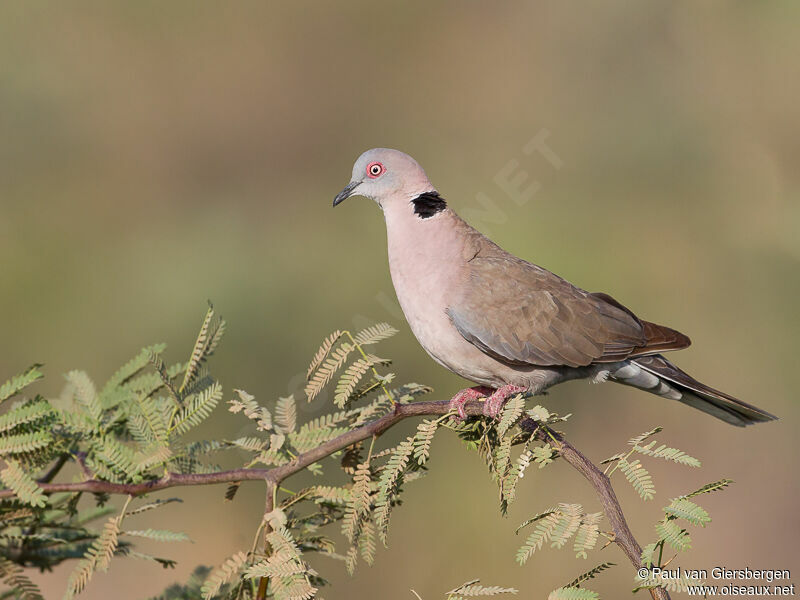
(142, 425)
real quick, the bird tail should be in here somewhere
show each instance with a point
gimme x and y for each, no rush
(657, 375)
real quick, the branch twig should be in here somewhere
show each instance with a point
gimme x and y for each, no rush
(269, 506)
(55, 469)
(274, 476)
(623, 536)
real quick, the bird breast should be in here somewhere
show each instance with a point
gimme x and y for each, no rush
(427, 261)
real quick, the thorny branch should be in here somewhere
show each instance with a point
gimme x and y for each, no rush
(274, 476)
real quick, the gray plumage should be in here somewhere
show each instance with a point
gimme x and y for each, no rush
(502, 322)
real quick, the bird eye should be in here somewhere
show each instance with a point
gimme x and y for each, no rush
(375, 169)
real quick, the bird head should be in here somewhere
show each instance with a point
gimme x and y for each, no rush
(389, 177)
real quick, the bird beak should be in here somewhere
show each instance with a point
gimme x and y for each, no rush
(346, 192)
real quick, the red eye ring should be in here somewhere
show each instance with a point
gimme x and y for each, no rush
(375, 169)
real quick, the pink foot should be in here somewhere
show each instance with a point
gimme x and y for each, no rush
(464, 396)
(494, 403)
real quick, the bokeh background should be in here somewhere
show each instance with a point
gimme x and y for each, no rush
(154, 155)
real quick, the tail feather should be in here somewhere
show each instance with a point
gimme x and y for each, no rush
(665, 379)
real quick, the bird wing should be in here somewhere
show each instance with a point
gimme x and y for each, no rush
(522, 314)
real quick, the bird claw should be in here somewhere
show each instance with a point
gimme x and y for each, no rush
(461, 398)
(494, 403)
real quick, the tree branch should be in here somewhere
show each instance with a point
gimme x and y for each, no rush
(623, 536)
(274, 476)
(54, 470)
(269, 506)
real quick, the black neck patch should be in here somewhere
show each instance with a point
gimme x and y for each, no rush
(428, 204)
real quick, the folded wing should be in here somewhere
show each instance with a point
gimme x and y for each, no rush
(522, 314)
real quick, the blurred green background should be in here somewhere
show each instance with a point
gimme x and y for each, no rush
(157, 154)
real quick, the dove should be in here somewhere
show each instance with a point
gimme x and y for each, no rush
(508, 325)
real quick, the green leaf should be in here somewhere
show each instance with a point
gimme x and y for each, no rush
(252, 410)
(396, 465)
(539, 414)
(587, 534)
(674, 535)
(502, 457)
(115, 454)
(374, 334)
(231, 490)
(97, 557)
(327, 369)
(638, 477)
(150, 457)
(423, 440)
(24, 442)
(540, 535)
(568, 524)
(366, 541)
(166, 377)
(210, 334)
(274, 567)
(323, 352)
(591, 574)
(159, 535)
(27, 413)
(473, 588)
(649, 554)
(710, 487)
(153, 424)
(129, 369)
(86, 395)
(329, 494)
(286, 415)
(21, 587)
(572, 593)
(559, 525)
(289, 572)
(307, 439)
(543, 455)
(613, 458)
(512, 412)
(637, 440)
(535, 518)
(19, 382)
(666, 453)
(681, 508)
(389, 482)
(350, 560)
(253, 444)
(164, 562)
(22, 484)
(223, 574)
(349, 380)
(199, 409)
(358, 506)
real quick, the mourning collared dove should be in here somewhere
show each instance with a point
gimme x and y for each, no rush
(504, 323)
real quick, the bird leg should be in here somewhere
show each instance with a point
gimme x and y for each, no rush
(494, 403)
(461, 398)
